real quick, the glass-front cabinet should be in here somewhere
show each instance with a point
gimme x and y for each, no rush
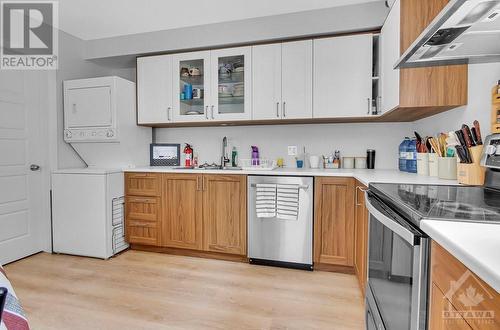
(212, 85)
(231, 78)
(191, 86)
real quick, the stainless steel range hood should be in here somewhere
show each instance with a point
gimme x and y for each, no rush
(465, 31)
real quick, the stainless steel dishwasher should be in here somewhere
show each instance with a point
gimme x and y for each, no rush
(284, 241)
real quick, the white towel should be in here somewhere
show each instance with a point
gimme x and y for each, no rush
(265, 204)
(287, 201)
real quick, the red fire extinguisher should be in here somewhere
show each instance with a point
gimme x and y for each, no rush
(188, 154)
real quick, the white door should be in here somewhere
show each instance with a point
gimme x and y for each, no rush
(191, 71)
(296, 78)
(231, 86)
(154, 89)
(389, 54)
(23, 199)
(343, 76)
(266, 82)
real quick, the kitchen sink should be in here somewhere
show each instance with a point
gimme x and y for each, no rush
(213, 168)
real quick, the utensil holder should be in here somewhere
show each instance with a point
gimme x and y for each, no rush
(433, 164)
(472, 174)
(447, 168)
(422, 163)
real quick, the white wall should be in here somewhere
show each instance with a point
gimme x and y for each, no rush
(482, 78)
(351, 139)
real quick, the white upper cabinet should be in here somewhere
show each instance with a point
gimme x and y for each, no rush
(154, 89)
(389, 54)
(343, 69)
(296, 80)
(266, 82)
(231, 74)
(192, 86)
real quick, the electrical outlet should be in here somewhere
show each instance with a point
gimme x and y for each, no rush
(292, 150)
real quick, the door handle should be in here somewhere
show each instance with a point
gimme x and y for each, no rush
(284, 109)
(206, 112)
(356, 195)
(212, 112)
(197, 183)
(277, 109)
(369, 106)
(34, 167)
(379, 105)
(168, 113)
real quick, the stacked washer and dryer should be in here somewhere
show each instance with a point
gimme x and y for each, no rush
(88, 203)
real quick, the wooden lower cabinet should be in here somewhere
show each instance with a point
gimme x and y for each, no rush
(192, 212)
(141, 218)
(361, 236)
(181, 221)
(459, 299)
(334, 221)
(224, 213)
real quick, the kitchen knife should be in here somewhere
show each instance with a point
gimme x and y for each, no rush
(467, 136)
(460, 137)
(474, 135)
(478, 132)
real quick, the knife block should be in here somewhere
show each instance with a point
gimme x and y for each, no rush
(495, 109)
(472, 174)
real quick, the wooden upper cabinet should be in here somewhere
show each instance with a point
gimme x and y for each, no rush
(463, 291)
(334, 221)
(424, 91)
(182, 211)
(361, 236)
(224, 213)
(142, 184)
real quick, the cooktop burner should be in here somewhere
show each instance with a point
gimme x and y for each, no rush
(458, 203)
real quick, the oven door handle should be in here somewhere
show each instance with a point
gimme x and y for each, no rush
(390, 222)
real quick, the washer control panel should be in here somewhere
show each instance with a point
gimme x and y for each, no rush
(90, 135)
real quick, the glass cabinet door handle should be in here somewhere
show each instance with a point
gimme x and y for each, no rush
(169, 118)
(277, 109)
(284, 109)
(206, 112)
(369, 107)
(212, 112)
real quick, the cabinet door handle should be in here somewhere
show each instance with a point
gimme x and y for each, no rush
(206, 112)
(212, 112)
(168, 114)
(284, 109)
(369, 107)
(356, 195)
(197, 183)
(379, 105)
(277, 109)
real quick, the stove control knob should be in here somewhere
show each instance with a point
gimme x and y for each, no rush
(492, 150)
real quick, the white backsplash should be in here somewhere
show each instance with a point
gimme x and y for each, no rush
(319, 139)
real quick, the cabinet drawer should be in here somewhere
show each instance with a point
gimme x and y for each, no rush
(142, 232)
(465, 290)
(142, 208)
(142, 184)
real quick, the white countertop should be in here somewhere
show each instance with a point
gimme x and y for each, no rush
(364, 176)
(476, 245)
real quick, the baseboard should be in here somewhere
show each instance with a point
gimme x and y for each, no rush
(335, 268)
(190, 253)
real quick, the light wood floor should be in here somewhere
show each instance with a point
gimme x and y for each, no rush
(143, 290)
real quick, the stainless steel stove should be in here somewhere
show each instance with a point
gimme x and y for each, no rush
(396, 295)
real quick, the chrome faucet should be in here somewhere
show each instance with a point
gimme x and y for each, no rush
(224, 159)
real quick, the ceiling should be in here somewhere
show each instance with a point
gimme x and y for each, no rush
(95, 19)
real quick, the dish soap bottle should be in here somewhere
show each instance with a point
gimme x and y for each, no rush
(234, 157)
(255, 156)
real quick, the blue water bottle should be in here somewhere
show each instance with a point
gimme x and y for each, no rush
(188, 91)
(411, 152)
(402, 154)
